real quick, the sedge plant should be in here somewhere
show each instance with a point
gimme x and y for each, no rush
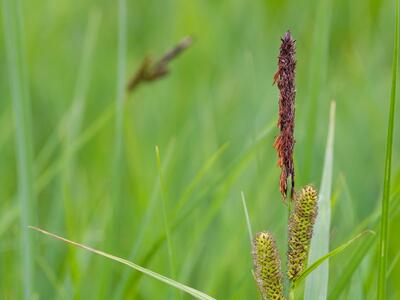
(302, 205)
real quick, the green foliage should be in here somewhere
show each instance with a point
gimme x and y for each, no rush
(214, 120)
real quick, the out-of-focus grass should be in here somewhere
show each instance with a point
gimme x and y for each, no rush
(218, 93)
(384, 230)
(18, 79)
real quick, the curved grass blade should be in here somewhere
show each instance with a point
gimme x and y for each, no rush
(334, 252)
(195, 293)
(317, 282)
(361, 251)
(384, 236)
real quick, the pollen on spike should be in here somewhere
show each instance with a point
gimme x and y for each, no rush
(284, 143)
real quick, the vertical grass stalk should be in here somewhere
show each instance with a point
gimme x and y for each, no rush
(114, 224)
(164, 213)
(384, 237)
(317, 282)
(120, 96)
(318, 70)
(246, 213)
(72, 129)
(17, 70)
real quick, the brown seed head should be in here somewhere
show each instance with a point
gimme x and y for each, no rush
(150, 71)
(284, 143)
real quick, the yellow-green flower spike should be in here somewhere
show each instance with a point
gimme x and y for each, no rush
(267, 267)
(301, 224)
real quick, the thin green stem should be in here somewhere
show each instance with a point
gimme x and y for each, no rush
(164, 213)
(246, 213)
(317, 76)
(292, 291)
(384, 236)
(115, 223)
(117, 167)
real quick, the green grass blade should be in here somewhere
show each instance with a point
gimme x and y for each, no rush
(21, 103)
(317, 76)
(6, 131)
(117, 166)
(393, 264)
(334, 252)
(317, 282)
(174, 216)
(361, 251)
(246, 213)
(384, 236)
(79, 101)
(44, 179)
(11, 213)
(145, 223)
(122, 24)
(199, 176)
(164, 212)
(72, 128)
(195, 293)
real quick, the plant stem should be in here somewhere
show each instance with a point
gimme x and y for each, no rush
(384, 232)
(292, 291)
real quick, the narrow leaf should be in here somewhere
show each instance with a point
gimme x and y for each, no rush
(337, 250)
(246, 213)
(195, 293)
(317, 282)
(17, 74)
(384, 236)
(164, 212)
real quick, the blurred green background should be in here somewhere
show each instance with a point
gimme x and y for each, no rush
(213, 120)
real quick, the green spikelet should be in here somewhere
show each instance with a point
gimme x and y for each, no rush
(267, 267)
(301, 224)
